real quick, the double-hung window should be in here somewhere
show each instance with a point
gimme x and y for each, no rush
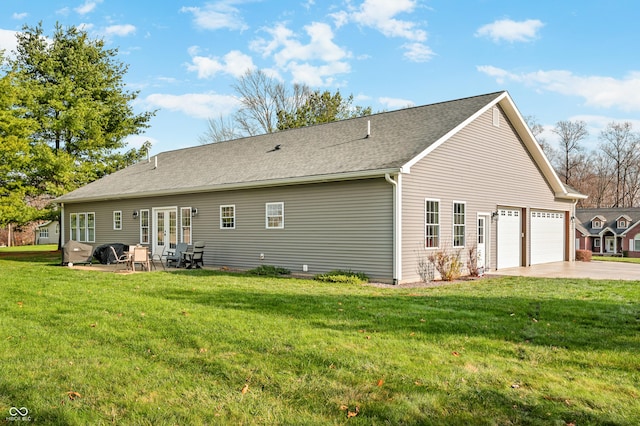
(144, 226)
(459, 216)
(636, 243)
(185, 221)
(228, 217)
(431, 223)
(117, 220)
(274, 215)
(82, 227)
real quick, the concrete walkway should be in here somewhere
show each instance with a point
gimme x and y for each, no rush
(594, 270)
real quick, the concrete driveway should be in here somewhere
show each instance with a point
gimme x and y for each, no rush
(594, 270)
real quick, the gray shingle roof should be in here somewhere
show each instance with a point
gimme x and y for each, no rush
(314, 153)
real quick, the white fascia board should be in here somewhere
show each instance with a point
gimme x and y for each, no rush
(510, 109)
(406, 168)
(523, 130)
(626, 231)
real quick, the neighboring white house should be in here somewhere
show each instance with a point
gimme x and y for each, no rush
(48, 232)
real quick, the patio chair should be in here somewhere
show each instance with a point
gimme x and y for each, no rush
(141, 256)
(175, 255)
(158, 257)
(118, 260)
(193, 258)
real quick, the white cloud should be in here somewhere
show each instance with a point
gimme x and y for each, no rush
(417, 52)
(218, 15)
(381, 15)
(19, 16)
(120, 30)
(314, 63)
(8, 41)
(511, 31)
(198, 105)
(85, 26)
(234, 63)
(597, 91)
(87, 7)
(317, 76)
(395, 103)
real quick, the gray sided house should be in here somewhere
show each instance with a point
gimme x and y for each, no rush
(374, 194)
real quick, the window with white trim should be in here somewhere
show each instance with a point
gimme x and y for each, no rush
(431, 223)
(117, 220)
(274, 215)
(44, 232)
(144, 226)
(622, 224)
(596, 224)
(82, 227)
(228, 217)
(185, 224)
(459, 223)
(596, 242)
(636, 243)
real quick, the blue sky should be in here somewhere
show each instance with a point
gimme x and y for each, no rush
(559, 60)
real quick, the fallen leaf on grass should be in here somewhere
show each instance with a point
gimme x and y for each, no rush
(245, 388)
(73, 395)
(380, 382)
(454, 353)
(203, 350)
(349, 412)
(20, 304)
(94, 325)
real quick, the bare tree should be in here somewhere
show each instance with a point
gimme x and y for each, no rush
(570, 134)
(598, 182)
(537, 129)
(622, 145)
(219, 130)
(262, 97)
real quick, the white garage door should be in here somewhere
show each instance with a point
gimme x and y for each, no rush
(547, 237)
(509, 245)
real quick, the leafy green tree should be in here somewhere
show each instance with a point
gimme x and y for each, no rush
(15, 156)
(74, 91)
(321, 107)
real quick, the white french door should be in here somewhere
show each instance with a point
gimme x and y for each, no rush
(165, 229)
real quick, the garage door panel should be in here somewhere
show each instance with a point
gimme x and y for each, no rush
(509, 238)
(547, 236)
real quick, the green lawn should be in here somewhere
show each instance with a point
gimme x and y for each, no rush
(202, 347)
(617, 259)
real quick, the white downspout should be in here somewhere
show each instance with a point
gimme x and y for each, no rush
(62, 224)
(572, 236)
(397, 227)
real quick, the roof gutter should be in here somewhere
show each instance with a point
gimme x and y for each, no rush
(366, 174)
